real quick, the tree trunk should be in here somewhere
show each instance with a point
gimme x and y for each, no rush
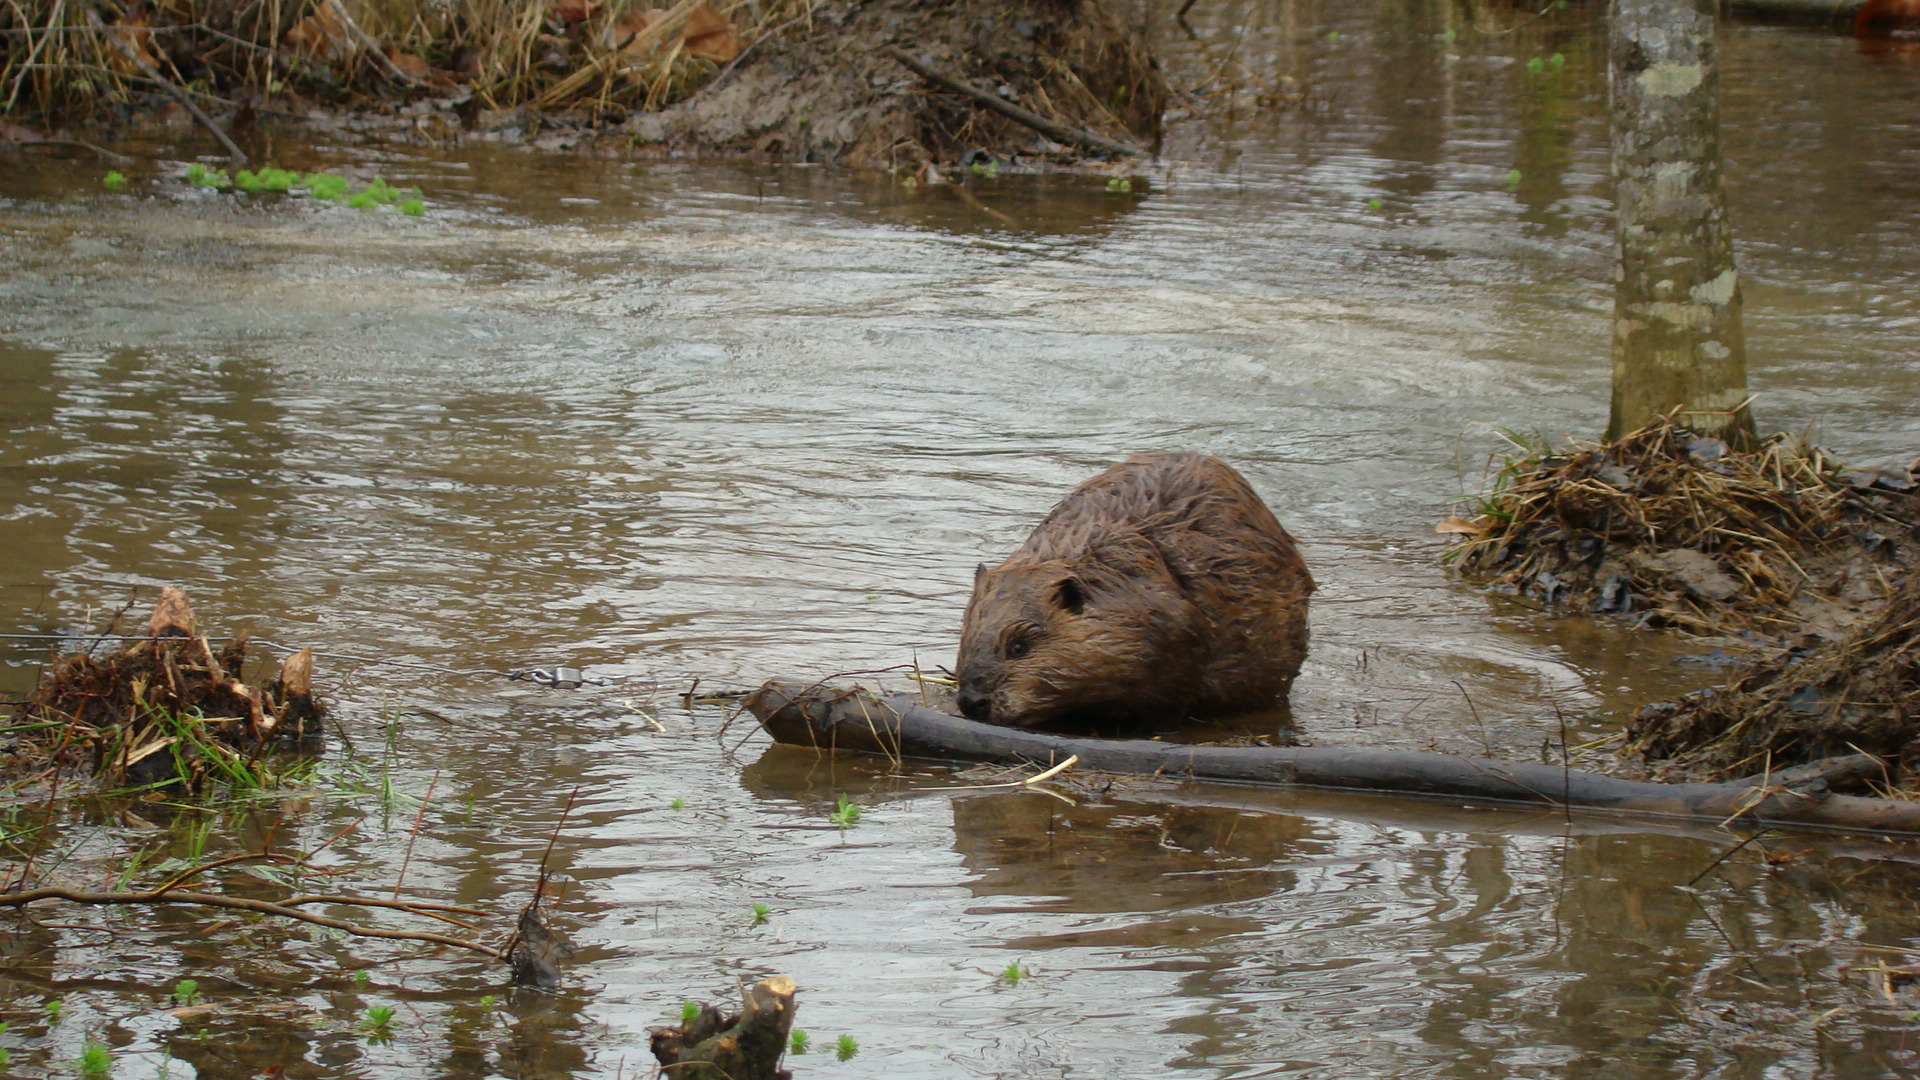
(1676, 332)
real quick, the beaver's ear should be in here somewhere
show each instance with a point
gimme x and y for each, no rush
(979, 571)
(1071, 595)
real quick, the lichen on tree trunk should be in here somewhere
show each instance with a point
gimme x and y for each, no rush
(1677, 342)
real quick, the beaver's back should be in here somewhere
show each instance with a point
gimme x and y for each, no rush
(1197, 601)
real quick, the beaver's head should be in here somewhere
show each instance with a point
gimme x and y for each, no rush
(1048, 641)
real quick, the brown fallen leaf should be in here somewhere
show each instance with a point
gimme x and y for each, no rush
(135, 53)
(321, 35)
(1455, 525)
(709, 36)
(412, 66)
(570, 12)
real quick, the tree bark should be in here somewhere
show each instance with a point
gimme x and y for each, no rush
(840, 719)
(1677, 342)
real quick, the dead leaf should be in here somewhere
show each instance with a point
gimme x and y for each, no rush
(413, 67)
(709, 36)
(135, 53)
(623, 32)
(321, 35)
(721, 48)
(1455, 525)
(572, 11)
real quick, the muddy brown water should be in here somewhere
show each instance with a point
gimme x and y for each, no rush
(677, 420)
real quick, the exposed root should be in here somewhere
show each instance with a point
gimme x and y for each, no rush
(1689, 534)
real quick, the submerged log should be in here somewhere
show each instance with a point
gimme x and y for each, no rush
(840, 719)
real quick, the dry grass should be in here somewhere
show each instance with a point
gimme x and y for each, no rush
(59, 61)
(1684, 531)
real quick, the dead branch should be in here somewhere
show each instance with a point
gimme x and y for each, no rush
(285, 910)
(1054, 130)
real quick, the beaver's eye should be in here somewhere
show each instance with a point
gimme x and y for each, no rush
(1018, 649)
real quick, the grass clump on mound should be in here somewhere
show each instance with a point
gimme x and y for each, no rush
(1685, 532)
(1860, 693)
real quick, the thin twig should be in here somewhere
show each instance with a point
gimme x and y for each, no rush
(241, 903)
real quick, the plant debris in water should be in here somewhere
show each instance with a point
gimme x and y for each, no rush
(1687, 533)
(1858, 693)
(166, 708)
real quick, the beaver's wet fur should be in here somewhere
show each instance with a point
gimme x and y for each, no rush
(1159, 590)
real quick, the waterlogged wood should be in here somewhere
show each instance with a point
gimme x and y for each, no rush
(838, 719)
(743, 1047)
(1677, 339)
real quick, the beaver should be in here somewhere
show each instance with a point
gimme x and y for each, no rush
(1161, 589)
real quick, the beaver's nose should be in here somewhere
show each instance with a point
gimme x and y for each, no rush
(975, 706)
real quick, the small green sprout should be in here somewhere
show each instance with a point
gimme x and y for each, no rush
(6, 1057)
(1556, 62)
(1120, 184)
(844, 1047)
(797, 1041)
(1013, 974)
(114, 180)
(909, 181)
(95, 1060)
(689, 1012)
(1447, 36)
(760, 913)
(185, 992)
(1375, 204)
(200, 176)
(412, 207)
(1513, 178)
(361, 976)
(677, 804)
(486, 1001)
(377, 1024)
(847, 814)
(1535, 65)
(53, 1007)
(1333, 36)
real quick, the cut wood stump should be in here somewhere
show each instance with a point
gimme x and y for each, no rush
(745, 1046)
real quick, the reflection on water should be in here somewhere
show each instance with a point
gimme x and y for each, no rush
(678, 420)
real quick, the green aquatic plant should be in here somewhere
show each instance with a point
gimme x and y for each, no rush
(114, 180)
(797, 1041)
(1513, 178)
(677, 804)
(329, 186)
(95, 1060)
(846, 814)
(360, 977)
(53, 1007)
(845, 1047)
(760, 913)
(689, 1012)
(185, 992)
(1375, 204)
(487, 1001)
(1120, 184)
(413, 207)
(377, 1023)
(1014, 973)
